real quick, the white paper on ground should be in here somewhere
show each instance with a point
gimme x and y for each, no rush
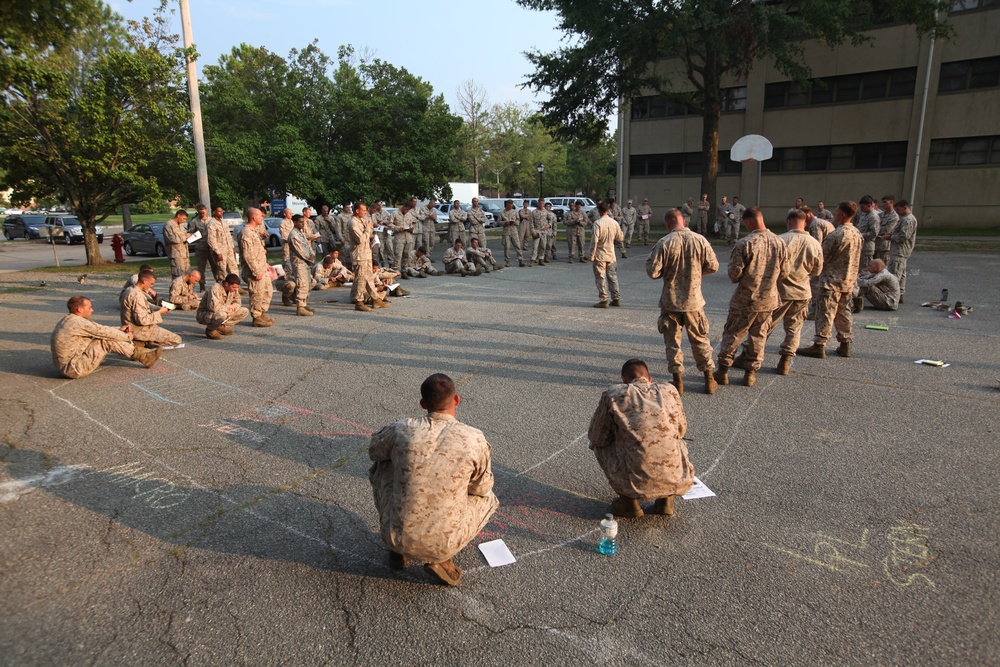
(699, 490)
(392, 286)
(932, 362)
(348, 284)
(173, 347)
(497, 553)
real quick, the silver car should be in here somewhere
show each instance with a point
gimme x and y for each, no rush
(67, 228)
(272, 225)
(145, 239)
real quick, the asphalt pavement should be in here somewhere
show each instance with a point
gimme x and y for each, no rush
(216, 509)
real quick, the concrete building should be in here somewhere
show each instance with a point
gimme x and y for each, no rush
(915, 118)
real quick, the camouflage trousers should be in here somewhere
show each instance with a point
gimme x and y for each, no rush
(833, 310)
(456, 232)
(511, 237)
(87, 361)
(204, 258)
(740, 324)
(477, 231)
(154, 335)
(606, 272)
(180, 260)
(260, 296)
(303, 282)
(364, 283)
(897, 267)
(403, 247)
(792, 315)
(671, 324)
(643, 230)
(574, 239)
(867, 255)
(228, 265)
(216, 320)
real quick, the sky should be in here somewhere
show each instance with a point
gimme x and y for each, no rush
(444, 42)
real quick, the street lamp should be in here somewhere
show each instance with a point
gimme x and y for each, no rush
(541, 168)
(497, 172)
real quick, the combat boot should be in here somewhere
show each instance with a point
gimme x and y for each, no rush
(380, 303)
(520, 263)
(749, 378)
(362, 307)
(262, 321)
(627, 508)
(721, 375)
(446, 572)
(616, 303)
(710, 384)
(302, 311)
(225, 331)
(286, 300)
(664, 506)
(857, 304)
(844, 350)
(678, 383)
(601, 304)
(398, 561)
(213, 334)
(147, 357)
(784, 364)
(815, 351)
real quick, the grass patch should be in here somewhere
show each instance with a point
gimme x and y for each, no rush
(19, 290)
(950, 231)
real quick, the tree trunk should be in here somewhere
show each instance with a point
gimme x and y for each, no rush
(711, 113)
(126, 218)
(90, 242)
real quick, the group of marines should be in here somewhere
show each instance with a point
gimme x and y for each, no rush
(822, 269)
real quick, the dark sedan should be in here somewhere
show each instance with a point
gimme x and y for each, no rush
(25, 227)
(145, 239)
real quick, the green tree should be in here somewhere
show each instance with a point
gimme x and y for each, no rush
(708, 39)
(91, 118)
(591, 165)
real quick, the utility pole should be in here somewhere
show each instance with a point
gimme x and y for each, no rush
(199, 136)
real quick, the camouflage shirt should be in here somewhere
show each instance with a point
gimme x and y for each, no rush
(904, 236)
(841, 254)
(868, 225)
(886, 226)
(433, 485)
(636, 434)
(756, 264)
(628, 215)
(71, 338)
(681, 258)
(819, 229)
(805, 259)
(253, 254)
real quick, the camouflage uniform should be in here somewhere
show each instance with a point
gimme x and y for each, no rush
(637, 435)
(422, 266)
(574, 221)
(628, 224)
(805, 260)
(722, 218)
(220, 308)
(887, 224)
(175, 236)
(182, 295)
(301, 258)
(253, 263)
(143, 321)
(868, 225)
(220, 242)
(427, 236)
(524, 217)
(343, 228)
(733, 224)
(79, 345)
(687, 213)
(361, 259)
(606, 233)
(841, 250)
(703, 209)
(646, 215)
(325, 277)
(457, 218)
(202, 255)
(477, 226)
(385, 252)
(758, 261)
(825, 214)
(511, 235)
(455, 261)
(902, 240)
(481, 258)
(881, 289)
(539, 234)
(327, 226)
(433, 485)
(401, 225)
(550, 242)
(681, 258)
(819, 229)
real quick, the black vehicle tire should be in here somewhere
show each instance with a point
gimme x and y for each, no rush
(160, 250)
(100, 240)
(69, 239)
(273, 241)
(128, 248)
(7, 235)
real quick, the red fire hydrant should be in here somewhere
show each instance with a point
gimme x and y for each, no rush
(116, 245)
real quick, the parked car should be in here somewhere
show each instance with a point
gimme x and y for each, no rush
(145, 239)
(232, 218)
(23, 226)
(272, 225)
(444, 209)
(588, 203)
(559, 211)
(68, 229)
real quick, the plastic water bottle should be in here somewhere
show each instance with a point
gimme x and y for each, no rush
(609, 542)
(944, 295)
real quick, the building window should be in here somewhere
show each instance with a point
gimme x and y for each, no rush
(658, 106)
(888, 155)
(678, 164)
(958, 6)
(969, 74)
(879, 85)
(965, 151)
